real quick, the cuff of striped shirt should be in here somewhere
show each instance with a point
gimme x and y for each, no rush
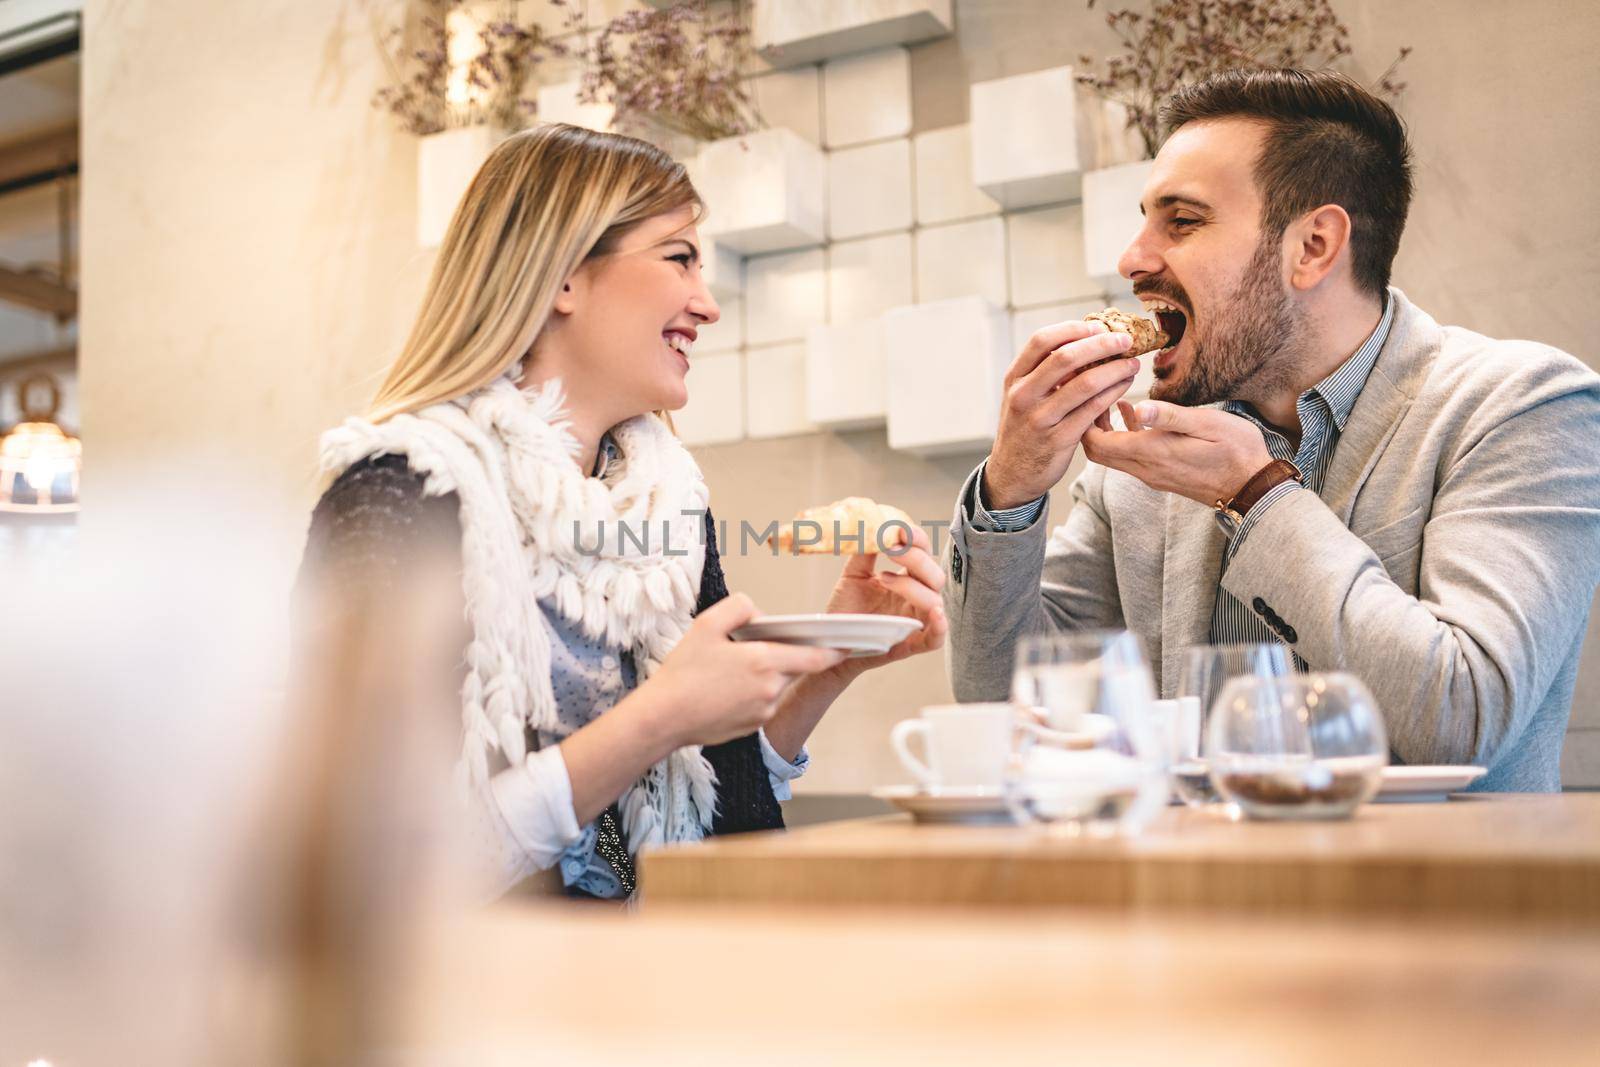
(780, 770)
(1253, 516)
(1006, 520)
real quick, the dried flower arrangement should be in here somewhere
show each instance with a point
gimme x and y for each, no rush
(420, 93)
(1179, 42)
(679, 68)
(492, 82)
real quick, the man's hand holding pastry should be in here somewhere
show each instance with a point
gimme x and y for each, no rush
(1066, 376)
(1201, 453)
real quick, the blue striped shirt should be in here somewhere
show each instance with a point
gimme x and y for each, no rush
(1323, 409)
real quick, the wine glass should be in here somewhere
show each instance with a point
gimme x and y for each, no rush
(1201, 675)
(1309, 746)
(1092, 759)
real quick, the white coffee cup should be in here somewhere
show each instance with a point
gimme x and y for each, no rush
(966, 745)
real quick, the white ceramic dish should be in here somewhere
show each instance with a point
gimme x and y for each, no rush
(1425, 784)
(859, 635)
(971, 804)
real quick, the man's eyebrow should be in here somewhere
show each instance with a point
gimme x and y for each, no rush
(1173, 199)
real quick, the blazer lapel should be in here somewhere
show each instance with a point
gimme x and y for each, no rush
(1190, 570)
(1378, 409)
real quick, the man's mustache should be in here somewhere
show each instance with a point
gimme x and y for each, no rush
(1169, 291)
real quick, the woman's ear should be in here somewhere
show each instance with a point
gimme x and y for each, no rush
(571, 293)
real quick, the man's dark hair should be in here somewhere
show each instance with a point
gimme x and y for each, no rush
(1329, 141)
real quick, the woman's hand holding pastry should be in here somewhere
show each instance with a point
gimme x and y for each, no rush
(711, 688)
(914, 593)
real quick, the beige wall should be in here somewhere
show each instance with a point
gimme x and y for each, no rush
(248, 250)
(248, 261)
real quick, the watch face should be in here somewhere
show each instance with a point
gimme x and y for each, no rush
(1229, 520)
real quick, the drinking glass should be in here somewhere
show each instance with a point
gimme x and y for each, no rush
(1201, 675)
(1092, 759)
(1309, 746)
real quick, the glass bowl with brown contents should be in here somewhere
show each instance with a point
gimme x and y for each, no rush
(1309, 746)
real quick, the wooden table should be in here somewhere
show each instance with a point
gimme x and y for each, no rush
(1503, 857)
(798, 987)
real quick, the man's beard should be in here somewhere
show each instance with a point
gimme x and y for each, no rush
(1245, 350)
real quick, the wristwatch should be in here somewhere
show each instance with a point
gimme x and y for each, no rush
(1230, 514)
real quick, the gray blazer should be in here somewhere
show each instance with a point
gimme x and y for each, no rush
(1450, 560)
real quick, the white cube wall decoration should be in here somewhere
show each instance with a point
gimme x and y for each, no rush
(945, 189)
(723, 270)
(764, 191)
(446, 165)
(869, 189)
(947, 362)
(727, 333)
(868, 277)
(560, 103)
(846, 375)
(866, 97)
(785, 295)
(790, 32)
(1026, 142)
(1045, 248)
(715, 411)
(962, 259)
(791, 99)
(1112, 219)
(775, 391)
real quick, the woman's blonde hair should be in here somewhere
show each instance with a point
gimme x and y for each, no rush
(544, 201)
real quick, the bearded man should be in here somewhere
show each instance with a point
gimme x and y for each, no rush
(1321, 463)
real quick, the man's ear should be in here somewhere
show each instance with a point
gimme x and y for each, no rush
(1315, 242)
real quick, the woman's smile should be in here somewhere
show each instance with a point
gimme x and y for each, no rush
(681, 341)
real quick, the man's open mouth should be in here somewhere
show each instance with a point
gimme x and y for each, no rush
(1171, 318)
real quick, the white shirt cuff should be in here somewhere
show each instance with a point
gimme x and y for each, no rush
(780, 770)
(534, 800)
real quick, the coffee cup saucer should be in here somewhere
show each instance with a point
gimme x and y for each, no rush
(949, 804)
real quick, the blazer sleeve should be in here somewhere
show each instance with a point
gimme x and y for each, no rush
(1005, 586)
(1508, 566)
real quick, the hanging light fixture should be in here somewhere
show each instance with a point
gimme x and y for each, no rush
(39, 461)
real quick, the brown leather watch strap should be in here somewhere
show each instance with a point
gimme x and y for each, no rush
(1273, 474)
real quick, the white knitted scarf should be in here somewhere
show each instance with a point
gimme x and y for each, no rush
(531, 523)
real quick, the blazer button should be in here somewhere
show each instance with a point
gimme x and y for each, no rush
(1260, 606)
(955, 567)
(1290, 635)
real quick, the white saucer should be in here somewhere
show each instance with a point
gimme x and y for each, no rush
(859, 635)
(972, 804)
(1425, 784)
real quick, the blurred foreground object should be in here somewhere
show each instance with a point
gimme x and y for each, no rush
(194, 870)
(372, 838)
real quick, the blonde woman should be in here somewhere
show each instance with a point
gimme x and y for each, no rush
(603, 706)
